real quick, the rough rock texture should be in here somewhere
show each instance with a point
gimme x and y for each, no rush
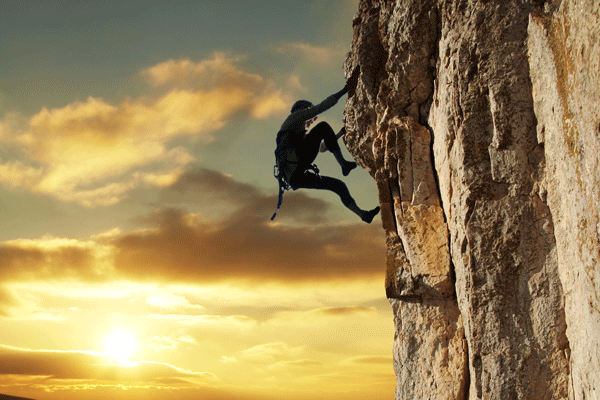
(480, 123)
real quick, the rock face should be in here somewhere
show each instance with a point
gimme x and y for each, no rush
(480, 123)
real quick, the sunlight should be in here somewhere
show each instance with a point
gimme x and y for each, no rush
(120, 345)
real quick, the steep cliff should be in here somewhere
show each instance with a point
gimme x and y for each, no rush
(480, 123)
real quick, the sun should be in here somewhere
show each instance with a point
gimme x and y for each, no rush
(120, 345)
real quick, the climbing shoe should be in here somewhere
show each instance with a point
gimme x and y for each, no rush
(369, 215)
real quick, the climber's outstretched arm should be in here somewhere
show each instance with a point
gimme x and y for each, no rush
(297, 119)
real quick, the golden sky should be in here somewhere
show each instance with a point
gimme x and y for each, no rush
(137, 258)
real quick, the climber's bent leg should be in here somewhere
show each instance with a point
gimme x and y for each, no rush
(312, 143)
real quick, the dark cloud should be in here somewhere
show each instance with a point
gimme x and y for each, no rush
(370, 360)
(242, 245)
(202, 181)
(247, 248)
(343, 311)
(246, 245)
(48, 259)
(202, 185)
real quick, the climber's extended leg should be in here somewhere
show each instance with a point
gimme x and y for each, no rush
(309, 180)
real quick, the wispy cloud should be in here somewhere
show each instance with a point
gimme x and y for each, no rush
(368, 360)
(269, 352)
(160, 343)
(173, 301)
(94, 152)
(235, 321)
(311, 53)
(295, 364)
(88, 365)
(342, 311)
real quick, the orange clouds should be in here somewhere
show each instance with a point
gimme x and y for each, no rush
(245, 248)
(253, 93)
(94, 152)
(218, 71)
(245, 245)
(301, 350)
(232, 306)
(67, 371)
(89, 365)
(54, 258)
(184, 247)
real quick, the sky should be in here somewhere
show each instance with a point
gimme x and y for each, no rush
(137, 258)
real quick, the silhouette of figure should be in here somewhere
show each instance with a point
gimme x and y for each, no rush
(297, 150)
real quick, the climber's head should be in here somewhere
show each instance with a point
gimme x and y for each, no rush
(301, 105)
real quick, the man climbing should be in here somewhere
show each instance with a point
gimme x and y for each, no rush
(297, 150)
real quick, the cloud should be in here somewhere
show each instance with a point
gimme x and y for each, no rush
(315, 54)
(178, 246)
(324, 324)
(93, 152)
(83, 151)
(323, 314)
(294, 83)
(378, 382)
(295, 364)
(87, 365)
(368, 360)
(201, 181)
(343, 311)
(221, 71)
(172, 301)
(201, 184)
(245, 248)
(55, 258)
(7, 302)
(268, 352)
(160, 343)
(233, 321)
(11, 121)
(270, 104)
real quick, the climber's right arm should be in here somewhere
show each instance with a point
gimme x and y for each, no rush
(300, 116)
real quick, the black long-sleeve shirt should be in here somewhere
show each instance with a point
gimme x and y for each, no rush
(295, 121)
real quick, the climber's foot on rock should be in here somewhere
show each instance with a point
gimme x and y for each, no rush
(369, 215)
(347, 167)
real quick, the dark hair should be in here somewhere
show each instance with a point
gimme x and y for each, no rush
(301, 104)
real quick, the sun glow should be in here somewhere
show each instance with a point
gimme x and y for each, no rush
(120, 345)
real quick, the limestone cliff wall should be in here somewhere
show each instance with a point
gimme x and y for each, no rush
(480, 123)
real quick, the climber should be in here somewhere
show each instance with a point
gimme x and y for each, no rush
(297, 150)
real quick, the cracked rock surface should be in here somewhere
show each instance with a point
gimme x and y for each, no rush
(480, 123)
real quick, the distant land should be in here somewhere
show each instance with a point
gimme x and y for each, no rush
(7, 397)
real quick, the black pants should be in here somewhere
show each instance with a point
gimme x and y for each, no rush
(307, 151)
